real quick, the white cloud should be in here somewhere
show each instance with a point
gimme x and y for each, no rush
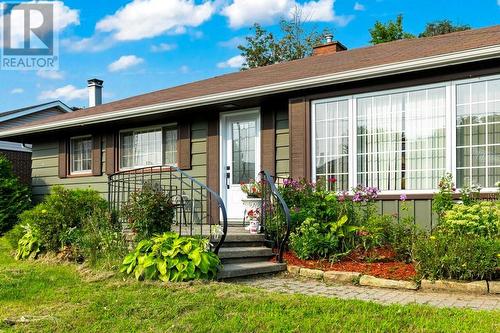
(125, 62)
(246, 12)
(234, 62)
(64, 16)
(163, 47)
(17, 91)
(95, 43)
(360, 7)
(184, 69)
(67, 93)
(233, 42)
(51, 75)
(150, 18)
(498, 2)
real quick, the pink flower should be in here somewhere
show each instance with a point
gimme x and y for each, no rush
(332, 180)
(402, 197)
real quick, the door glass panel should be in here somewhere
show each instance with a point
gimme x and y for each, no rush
(243, 151)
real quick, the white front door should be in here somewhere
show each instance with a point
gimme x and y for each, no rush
(240, 157)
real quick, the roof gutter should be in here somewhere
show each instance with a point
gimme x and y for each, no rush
(454, 58)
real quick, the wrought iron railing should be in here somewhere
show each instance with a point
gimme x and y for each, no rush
(275, 215)
(199, 211)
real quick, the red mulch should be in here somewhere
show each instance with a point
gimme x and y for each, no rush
(358, 261)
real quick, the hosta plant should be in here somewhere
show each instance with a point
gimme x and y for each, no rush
(170, 257)
(29, 245)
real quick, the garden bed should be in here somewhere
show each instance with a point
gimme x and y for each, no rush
(385, 267)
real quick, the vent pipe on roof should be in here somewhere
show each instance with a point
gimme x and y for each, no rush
(95, 92)
(330, 46)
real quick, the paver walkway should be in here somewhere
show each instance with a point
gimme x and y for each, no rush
(292, 285)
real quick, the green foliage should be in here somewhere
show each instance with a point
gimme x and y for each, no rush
(61, 214)
(29, 244)
(443, 200)
(100, 239)
(372, 232)
(14, 196)
(388, 32)
(480, 219)
(170, 257)
(401, 237)
(262, 48)
(461, 257)
(14, 235)
(149, 212)
(442, 27)
(315, 239)
(469, 195)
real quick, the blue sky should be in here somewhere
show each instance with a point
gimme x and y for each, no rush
(138, 46)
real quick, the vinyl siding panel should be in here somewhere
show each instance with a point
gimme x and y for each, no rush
(282, 145)
(29, 118)
(45, 165)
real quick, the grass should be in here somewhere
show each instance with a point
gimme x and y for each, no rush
(62, 300)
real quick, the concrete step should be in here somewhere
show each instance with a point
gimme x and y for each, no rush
(234, 255)
(249, 268)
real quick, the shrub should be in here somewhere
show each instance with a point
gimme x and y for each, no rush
(314, 239)
(372, 232)
(14, 235)
(100, 239)
(443, 200)
(60, 215)
(14, 196)
(29, 244)
(149, 212)
(170, 257)
(480, 219)
(461, 257)
(401, 237)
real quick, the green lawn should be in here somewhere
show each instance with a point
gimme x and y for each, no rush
(65, 301)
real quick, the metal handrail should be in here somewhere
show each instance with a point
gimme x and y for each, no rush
(121, 181)
(281, 242)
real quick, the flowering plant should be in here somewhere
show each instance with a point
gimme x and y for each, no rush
(365, 193)
(253, 214)
(253, 189)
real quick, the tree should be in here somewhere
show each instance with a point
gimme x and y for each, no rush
(262, 48)
(14, 196)
(388, 32)
(442, 27)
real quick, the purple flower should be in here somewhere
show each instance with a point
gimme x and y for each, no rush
(402, 197)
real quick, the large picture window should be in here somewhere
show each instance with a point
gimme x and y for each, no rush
(401, 139)
(407, 139)
(80, 154)
(147, 147)
(478, 133)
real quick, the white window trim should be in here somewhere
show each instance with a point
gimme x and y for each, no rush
(450, 130)
(145, 128)
(80, 172)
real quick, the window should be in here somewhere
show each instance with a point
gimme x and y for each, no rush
(331, 141)
(478, 133)
(147, 147)
(401, 139)
(80, 155)
(407, 139)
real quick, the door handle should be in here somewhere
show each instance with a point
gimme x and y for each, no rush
(228, 177)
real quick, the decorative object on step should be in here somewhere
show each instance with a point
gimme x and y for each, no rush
(254, 227)
(251, 203)
(253, 189)
(216, 230)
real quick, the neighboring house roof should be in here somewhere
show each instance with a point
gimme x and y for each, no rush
(356, 64)
(23, 116)
(12, 114)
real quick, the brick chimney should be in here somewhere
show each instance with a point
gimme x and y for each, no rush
(95, 92)
(329, 47)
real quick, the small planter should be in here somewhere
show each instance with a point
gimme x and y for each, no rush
(254, 227)
(251, 203)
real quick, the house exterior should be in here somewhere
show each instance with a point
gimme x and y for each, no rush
(397, 116)
(17, 152)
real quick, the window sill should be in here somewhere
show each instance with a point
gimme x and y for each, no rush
(80, 175)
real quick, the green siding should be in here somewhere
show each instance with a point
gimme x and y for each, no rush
(282, 145)
(45, 165)
(420, 210)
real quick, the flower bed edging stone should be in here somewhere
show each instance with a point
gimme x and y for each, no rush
(476, 287)
(371, 281)
(341, 277)
(494, 287)
(294, 270)
(311, 273)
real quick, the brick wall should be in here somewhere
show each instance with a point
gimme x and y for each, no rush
(21, 164)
